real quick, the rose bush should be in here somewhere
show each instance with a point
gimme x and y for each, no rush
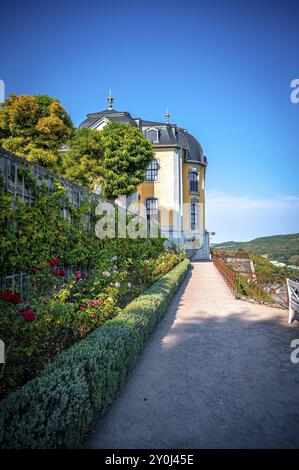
(60, 310)
(75, 280)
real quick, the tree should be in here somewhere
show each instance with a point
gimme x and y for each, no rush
(35, 127)
(117, 157)
(81, 163)
(126, 156)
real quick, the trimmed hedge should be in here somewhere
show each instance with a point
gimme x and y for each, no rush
(56, 409)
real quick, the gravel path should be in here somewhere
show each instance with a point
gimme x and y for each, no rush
(216, 373)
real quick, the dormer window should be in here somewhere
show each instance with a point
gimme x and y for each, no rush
(152, 135)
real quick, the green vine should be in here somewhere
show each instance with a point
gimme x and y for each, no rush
(31, 234)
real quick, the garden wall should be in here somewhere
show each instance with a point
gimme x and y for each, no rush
(20, 182)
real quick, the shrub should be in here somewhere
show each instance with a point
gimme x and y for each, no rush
(56, 409)
(60, 311)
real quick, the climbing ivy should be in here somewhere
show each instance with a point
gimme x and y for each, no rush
(31, 234)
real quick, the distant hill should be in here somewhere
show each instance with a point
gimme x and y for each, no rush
(283, 248)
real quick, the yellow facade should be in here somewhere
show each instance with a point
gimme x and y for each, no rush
(162, 190)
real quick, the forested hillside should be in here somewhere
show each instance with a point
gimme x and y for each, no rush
(283, 248)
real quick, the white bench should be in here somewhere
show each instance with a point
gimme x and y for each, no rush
(293, 294)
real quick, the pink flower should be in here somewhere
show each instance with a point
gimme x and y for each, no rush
(29, 315)
(94, 315)
(90, 303)
(82, 308)
(54, 262)
(78, 275)
(106, 273)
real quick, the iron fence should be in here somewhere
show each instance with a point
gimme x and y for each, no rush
(264, 288)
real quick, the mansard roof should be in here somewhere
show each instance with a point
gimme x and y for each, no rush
(169, 134)
(112, 115)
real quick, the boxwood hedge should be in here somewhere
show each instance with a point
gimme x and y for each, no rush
(56, 409)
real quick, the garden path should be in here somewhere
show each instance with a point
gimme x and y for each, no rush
(216, 372)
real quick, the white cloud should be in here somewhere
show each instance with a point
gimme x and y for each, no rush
(242, 218)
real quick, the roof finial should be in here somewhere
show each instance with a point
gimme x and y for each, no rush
(167, 116)
(110, 100)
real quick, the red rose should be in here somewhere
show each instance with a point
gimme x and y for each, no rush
(29, 315)
(15, 299)
(9, 297)
(54, 262)
(6, 295)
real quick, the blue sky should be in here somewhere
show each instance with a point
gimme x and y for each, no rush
(223, 69)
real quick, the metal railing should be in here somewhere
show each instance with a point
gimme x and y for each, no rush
(228, 275)
(264, 288)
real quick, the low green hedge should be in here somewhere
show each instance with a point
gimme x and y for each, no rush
(56, 409)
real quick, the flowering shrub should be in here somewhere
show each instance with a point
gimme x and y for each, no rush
(56, 409)
(61, 309)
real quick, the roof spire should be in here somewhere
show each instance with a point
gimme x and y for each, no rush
(110, 100)
(167, 116)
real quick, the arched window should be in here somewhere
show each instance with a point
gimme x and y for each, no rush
(152, 171)
(193, 181)
(152, 135)
(151, 205)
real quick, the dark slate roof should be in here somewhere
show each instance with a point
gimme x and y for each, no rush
(194, 149)
(112, 115)
(169, 134)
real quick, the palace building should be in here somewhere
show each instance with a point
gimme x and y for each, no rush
(174, 187)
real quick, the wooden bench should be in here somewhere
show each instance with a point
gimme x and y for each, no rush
(293, 294)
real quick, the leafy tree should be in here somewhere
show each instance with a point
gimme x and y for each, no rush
(116, 157)
(81, 163)
(35, 127)
(126, 156)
